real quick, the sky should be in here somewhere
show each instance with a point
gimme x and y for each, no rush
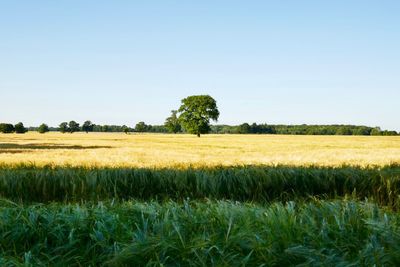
(120, 62)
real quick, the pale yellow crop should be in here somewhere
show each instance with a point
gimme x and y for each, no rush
(168, 150)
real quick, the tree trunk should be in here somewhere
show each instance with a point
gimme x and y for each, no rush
(198, 134)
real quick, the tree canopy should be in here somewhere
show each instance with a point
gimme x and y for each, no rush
(196, 112)
(141, 127)
(20, 128)
(63, 127)
(43, 128)
(6, 128)
(87, 126)
(73, 126)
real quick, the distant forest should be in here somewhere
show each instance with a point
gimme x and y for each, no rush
(254, 128)
(303, 129)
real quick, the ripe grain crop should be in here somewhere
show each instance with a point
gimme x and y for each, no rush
(183, 151)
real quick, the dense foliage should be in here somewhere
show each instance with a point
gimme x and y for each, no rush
(6, 128)
(20, 128)
(141, 127)
(43, 128)
(196, 112)
(73, 126)
(63, 127)
(69, 127)
(303, 129)
(87, 126)
(245, 128)
(172, 123)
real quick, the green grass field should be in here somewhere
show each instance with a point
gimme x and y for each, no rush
(226, 213)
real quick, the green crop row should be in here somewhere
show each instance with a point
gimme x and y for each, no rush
(245, 183)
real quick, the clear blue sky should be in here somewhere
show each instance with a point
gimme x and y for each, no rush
(120, 62)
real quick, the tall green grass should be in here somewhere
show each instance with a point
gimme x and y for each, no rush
(319, 233)
(73, 227)
(246, 183)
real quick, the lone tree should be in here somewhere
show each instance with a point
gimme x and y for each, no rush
(19, 128)
(73, 126)
(87, 126)
(172, 123)
(63, 127)
(196, 112)
(43, 128)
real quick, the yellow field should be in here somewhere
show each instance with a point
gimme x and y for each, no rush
(162, 150)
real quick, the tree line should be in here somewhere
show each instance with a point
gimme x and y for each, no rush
(173, 127)
(10, 128)
(194, 116)
(302, 129)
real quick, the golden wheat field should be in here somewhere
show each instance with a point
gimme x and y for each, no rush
(167, 150)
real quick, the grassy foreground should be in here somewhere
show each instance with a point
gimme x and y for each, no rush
(319, 233)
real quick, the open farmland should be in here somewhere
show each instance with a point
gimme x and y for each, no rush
(177, 200)
(181, 151)
(199, 133)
